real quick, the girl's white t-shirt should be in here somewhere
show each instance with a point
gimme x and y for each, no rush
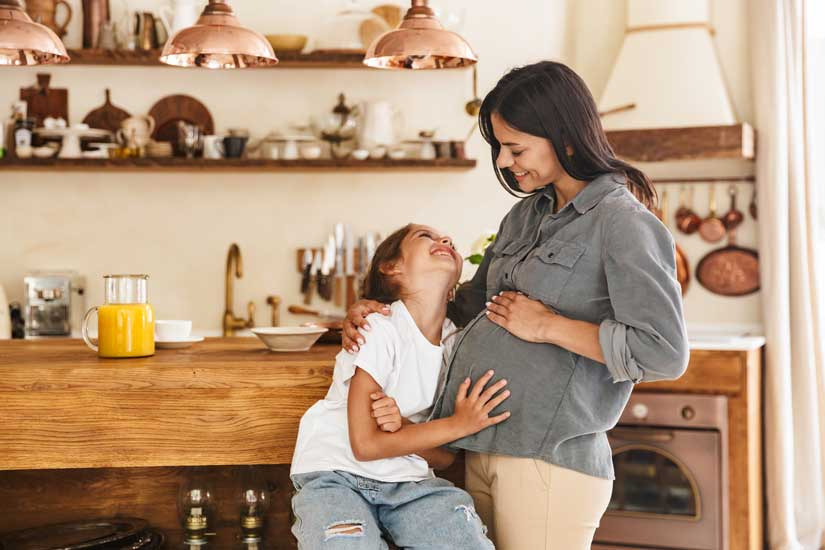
(406, 365)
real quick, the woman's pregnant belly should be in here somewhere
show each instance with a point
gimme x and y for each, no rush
(537, 376)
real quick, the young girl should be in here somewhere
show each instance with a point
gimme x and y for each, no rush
(357, 483)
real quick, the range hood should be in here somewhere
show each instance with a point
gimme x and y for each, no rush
(668, 68)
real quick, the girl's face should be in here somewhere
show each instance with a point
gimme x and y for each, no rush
(426, 252)
(531, 159)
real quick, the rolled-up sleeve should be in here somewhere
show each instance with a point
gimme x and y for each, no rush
(646, 340)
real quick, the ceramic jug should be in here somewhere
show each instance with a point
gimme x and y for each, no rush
(45, 12)
(138, 128)
(381, 124)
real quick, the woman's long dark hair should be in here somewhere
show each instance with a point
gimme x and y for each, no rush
(549, 100)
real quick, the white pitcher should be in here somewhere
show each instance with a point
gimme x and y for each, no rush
(179, 15)
(136, 128)
(381, 124)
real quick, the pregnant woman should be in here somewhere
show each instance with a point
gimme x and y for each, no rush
(575, 302)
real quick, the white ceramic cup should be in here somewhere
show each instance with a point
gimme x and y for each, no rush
(166, 330)
(213, 147)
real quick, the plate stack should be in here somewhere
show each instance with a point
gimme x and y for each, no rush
(99, 534)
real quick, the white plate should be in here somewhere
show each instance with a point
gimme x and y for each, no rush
(178, 343)
(288, 338)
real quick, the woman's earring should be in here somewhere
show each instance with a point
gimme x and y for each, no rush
(451, 295)
(569, 151)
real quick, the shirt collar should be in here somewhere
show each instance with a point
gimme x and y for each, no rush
(587, 198)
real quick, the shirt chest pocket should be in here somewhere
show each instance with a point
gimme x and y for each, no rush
(505, 257)
(548, 270)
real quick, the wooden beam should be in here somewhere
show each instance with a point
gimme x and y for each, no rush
(736, 141)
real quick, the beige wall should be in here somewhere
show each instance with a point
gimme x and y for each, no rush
(178, 226)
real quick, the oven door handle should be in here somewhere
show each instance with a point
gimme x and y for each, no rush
(642, 434)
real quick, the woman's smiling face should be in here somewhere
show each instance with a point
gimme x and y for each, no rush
(531, 159)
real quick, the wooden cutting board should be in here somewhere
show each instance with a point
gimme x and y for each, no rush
(171, 109)
(44, 101)
(107, 116)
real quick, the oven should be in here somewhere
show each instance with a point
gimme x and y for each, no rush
(670, 458)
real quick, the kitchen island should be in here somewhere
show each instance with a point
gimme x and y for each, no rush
(83, 437)
(223, 401)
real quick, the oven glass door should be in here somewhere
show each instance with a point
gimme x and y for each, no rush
(667, 491)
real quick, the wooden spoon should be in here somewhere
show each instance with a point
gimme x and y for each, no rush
(712, 229)
(752, 207)
(682, 264)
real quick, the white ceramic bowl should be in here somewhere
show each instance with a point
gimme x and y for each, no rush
(172, 330)
(288, 338)
(310, 151)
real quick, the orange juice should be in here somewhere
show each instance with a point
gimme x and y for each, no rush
(126, 330)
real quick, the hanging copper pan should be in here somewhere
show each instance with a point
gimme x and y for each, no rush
(731, 270)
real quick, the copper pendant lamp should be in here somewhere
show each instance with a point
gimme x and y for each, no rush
(419, 42)
(24, 42)
(218, 41)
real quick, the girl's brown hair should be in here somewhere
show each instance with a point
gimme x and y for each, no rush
(378, 285)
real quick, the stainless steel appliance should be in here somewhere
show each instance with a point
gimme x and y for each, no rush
(55, 302)
(670, 456)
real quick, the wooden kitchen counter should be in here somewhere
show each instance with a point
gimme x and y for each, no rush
(221, 401)
(100, 437)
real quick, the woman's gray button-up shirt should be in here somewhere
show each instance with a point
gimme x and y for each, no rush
(603, 258)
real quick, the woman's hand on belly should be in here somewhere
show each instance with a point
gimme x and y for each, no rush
(532, 321)
(521, 316)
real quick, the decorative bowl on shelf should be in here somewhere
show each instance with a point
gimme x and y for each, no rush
(287, 42)
(288, 338)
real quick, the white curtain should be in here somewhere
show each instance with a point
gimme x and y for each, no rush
(788, 65)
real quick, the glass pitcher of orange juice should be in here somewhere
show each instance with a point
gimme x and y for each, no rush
(126, 321)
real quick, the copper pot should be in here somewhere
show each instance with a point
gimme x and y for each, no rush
(712, 229)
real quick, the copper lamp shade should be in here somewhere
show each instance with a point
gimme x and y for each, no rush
(419, 42)
(218, 41)
(24, 42)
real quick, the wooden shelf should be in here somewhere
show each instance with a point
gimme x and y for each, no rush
(235, 165)
(737, 141)
(149, 58)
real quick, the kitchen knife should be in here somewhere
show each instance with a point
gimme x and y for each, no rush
(314, 270)
(306, 264)
(349, 265)
(327, 264)
(339, 264)
(372, 243)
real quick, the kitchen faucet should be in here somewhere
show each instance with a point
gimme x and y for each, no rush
(230, 322)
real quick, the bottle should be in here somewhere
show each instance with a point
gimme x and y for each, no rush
(18, 111)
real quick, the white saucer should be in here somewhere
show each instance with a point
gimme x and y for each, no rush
(178, 343)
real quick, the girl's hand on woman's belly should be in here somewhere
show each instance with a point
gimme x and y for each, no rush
(521, 316)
